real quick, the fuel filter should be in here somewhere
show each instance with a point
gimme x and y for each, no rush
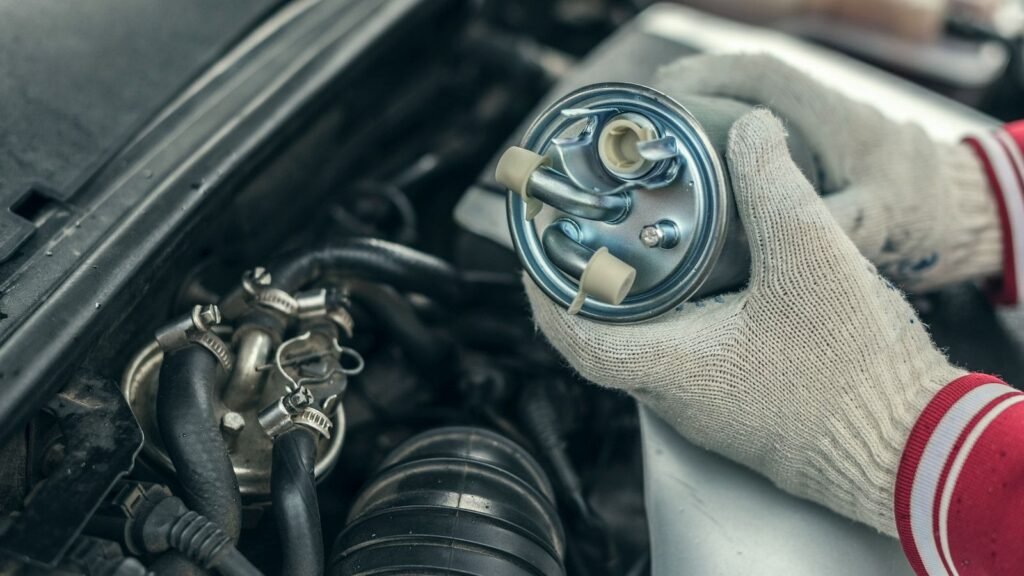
(619, 203)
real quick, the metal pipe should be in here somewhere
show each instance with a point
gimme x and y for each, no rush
(554, 189)
(326, 463)
(561, 244)
(245, 388)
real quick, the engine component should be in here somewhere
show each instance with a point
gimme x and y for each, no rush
(641, 218)
(454, 501)
(271, 387)
(249, 447)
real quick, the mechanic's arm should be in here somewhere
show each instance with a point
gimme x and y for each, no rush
(928, 214)
(1001, 154)
(821, 376)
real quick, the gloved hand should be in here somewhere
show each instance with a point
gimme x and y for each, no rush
(813, 375)
(921, 210)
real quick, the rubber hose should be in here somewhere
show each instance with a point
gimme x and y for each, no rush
(174, 563)
(230, 563)
(375, 260)
(463, 501)
(188, 428)
(424, 349)
(165, 523)
(293, 492)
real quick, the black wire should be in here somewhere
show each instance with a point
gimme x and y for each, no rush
(232, 563)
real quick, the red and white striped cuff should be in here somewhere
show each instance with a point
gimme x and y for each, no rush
(959, 500)
(1002, 155)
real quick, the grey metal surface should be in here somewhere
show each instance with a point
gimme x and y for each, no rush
(712, 517)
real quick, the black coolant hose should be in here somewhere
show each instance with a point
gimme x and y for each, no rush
(189, 431)
(427, 352)
(293, 491)
(376, 260)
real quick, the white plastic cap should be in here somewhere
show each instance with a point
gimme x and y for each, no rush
(513, 171)
(617, 145)
(605, 278)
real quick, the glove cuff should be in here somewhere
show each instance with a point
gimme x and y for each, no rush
(938, 228)
(959, 476)
(1002, 157)
(974, 249)
(854, 461)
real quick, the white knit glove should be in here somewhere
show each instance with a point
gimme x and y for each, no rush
(813, 375)
(920, 210)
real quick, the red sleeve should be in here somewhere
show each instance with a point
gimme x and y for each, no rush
(959, 500)
(1002, 155)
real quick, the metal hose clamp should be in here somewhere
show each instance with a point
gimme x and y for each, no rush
(195, 328)
(257, 284)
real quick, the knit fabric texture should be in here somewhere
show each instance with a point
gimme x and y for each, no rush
(813, 374)
(921, 210)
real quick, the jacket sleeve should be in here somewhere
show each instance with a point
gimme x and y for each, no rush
(1002, 155)
(959, 495)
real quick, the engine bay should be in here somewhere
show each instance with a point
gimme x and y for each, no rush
(280, 329)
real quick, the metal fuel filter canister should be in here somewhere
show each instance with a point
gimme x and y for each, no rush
(619, 202)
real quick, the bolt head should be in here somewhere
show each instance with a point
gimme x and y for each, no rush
(261, 276)
(232, 422)
(210, 315)
(298, 400)
(651, 236)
